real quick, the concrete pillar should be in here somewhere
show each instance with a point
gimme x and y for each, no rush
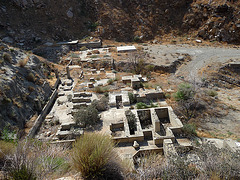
(113, 64)
(68, 72)
(157, 125)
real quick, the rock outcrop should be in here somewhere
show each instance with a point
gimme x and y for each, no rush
(23, 86)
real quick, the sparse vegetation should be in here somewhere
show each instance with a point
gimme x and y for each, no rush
(212, 93)
(142, 105)
(99, 89)
(33, 160)
(189, 129)
(84, 48)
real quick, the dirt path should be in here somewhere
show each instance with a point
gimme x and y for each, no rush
(201, 56)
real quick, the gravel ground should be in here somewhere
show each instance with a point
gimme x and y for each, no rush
(201, 56)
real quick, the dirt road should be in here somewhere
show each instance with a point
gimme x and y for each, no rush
(201, 57)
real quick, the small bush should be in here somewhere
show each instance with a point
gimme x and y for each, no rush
(168, 95)
(142, 105)
(185, 92)
(91, 154)
(7, 57)
(84, 48)
(131, 118)
(101, 105)
(106, 94)
(31, 77)
(87, 116)
(99, 89)
(190, 129)
(94, 56)
(95, 52)
(212, 93)
(23, 62)
(31, 89)
(110, 81)
(132, 98)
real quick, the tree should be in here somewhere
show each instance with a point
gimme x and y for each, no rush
(87, 116)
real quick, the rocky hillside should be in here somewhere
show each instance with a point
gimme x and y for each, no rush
(28, 23)
(24, 88)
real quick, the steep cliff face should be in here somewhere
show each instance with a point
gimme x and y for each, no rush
(24, 88)
(29, 23)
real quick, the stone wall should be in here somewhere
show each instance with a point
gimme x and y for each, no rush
(43, 114)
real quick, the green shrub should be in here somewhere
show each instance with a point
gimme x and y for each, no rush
(212, 93)
(168, 95)
(190, 129)
(110, 81)
(91, 154)
(84, 48)
(131, 118)
(87, 116)
(185, 92)
(132, 98)
(31, 77)
(7, 57)
(100, 105)
(142, 105)
(106, 94)
(94, 56)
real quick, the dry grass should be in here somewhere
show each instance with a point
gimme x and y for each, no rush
(92, 155)
(23, 62)
(34, 160)
(6, 148)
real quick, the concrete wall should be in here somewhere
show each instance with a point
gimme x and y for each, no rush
(97, 44)
(43, 114)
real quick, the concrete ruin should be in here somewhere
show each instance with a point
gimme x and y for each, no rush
(155, 129)
(119, 99)
(135, 81)
(148, 95)
(126, 48)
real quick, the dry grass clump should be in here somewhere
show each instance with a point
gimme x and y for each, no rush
(7, 57)
(6, 148)
(93, 155)
(23, 62)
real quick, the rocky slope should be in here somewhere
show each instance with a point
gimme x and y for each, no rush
(28, 23)
(23, 86)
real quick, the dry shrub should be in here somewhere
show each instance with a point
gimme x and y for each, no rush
(23, 62)
(93, 155)
(7, 57)
(30, 77)
(6, 148)
(203, 162)
(33, 160)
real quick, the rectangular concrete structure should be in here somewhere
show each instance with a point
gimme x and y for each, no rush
(126, 48)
